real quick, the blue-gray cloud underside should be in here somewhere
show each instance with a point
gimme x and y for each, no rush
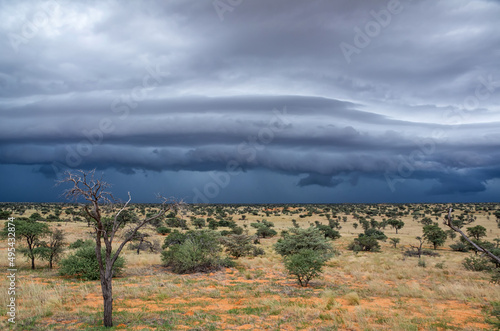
(330, 140)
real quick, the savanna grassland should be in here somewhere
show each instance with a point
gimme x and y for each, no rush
(384, 290)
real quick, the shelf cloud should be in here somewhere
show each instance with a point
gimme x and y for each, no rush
(318, 101)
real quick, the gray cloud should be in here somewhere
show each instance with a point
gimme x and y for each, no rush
(168, 86)
(321, 180)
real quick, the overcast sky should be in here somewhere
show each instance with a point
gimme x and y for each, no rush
(253, 100)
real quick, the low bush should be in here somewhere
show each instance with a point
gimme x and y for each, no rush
(163, 230)
(459, 247)
(440, 265)
(80, 243)
(367, 241)
(264, 229)
(83, 264)
(175, 238)
(364, 243)
(328, 231)
(176, 222)
(477, 263)
(495, 276)
(199, 223)
(296, 239)
(241, 245)
(414, 253)
(194, 251)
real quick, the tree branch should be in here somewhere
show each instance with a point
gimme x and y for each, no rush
(133, 232)
(476, 246)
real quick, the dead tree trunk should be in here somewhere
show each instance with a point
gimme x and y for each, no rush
(107, 295)
(419, 248)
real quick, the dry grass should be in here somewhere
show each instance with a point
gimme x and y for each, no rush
(376, 291)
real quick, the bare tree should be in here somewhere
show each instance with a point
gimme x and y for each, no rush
(99, 201)
(478, 247)
(418, 248)
(142, 243)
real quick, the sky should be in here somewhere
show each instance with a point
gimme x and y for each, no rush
(252, 101)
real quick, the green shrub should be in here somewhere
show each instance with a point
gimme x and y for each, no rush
(80, 243)
(328, 231)
(176, 222)
(199, 222)
(163, 230)
(296, 239)
(212, 224)
(194, 251)
(496, 252)
(266, 232)
(477, 263)
(264, 229)
(4, 214)
(495, 276)
(241, 245)
(429, 252)
(368, 241)
(83, 264)
(175, 238)
(305, 252)
(364, 243)
(306, 264)
(414, 252)
(440, 265)
(374, 233)
(237, 230)
(459, 247)
(226, 223)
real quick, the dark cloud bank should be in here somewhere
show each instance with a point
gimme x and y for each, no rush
(253, 101)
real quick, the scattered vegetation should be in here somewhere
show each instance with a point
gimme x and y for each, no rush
(443, 289)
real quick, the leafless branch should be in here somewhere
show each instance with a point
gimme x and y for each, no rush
(478, 247)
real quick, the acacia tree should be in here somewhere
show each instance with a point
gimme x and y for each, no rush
(32, 231)
(99, 201)
(434, 235)
(396, 224)
(53, 249)
(476, 232)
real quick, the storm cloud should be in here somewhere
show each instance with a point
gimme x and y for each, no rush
(286, 100)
